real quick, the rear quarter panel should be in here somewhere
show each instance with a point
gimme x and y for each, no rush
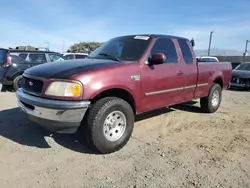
(209, 72)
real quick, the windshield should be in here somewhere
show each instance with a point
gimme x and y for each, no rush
(243, 66)
(128, 48)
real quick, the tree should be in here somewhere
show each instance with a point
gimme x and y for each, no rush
(84, 47)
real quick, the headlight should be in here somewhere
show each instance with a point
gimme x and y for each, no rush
(64, 89)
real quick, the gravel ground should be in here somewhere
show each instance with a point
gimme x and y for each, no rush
(176, 147)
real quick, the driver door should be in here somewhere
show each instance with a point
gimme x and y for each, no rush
(163, 84)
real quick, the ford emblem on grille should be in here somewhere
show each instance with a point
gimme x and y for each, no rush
(31, 83)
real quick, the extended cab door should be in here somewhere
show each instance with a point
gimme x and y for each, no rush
(162, 85)
(190, 72)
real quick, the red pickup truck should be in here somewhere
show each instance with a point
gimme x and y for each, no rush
(99, 96)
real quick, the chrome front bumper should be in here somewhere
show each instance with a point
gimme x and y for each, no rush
(56, 116)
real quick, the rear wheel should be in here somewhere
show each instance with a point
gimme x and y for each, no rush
(17, 82)
(109, 124)
(212, 102)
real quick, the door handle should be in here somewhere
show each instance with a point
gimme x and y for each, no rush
(179, 73)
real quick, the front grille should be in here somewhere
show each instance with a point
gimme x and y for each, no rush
(32, 85)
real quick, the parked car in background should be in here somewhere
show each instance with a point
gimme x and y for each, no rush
(207, 59)
(68, 56)
(241, 76)
(235, 64)
(99, 96)
(14, 62)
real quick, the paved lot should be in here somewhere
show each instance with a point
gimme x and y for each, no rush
(177, 147)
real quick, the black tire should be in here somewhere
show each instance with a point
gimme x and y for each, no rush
(206, 102)
(16, 82)
(247, 85)
(93, 124)
(3, 89)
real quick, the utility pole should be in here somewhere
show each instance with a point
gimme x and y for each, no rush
(245, 53)
(210, 41)
(48, 44)
(63, 47)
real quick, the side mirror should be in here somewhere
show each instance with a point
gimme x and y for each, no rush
(157, 59)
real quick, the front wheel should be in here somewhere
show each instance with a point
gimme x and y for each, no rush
(109, 124)
(212, 102)
(17, 82)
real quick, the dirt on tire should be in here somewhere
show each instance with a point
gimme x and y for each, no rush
(171, 147)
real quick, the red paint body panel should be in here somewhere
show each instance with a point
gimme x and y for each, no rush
(159, 85)
(119, 77)
(208, 72)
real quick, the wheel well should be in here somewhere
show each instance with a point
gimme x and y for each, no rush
(219, 81)
(16, 75)
(120, 93)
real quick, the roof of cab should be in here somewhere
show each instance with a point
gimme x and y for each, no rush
(155, 36)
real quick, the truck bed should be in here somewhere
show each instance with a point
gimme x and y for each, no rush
(210, 71)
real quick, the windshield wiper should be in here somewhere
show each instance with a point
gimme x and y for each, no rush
(110, 56)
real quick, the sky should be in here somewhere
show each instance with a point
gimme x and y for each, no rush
(63, 22)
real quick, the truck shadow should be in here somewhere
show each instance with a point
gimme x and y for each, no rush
(188, 107)
(154, 113)
(15, 126)
(7, 89)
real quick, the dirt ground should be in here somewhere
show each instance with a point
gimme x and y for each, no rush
(176, 147)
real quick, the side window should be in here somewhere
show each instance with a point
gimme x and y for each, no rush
(80, 56)
(37, 58)
(66, 57)
(23, 55)
(17, 59)
(55, 57)
(186, 52)
(167, 47)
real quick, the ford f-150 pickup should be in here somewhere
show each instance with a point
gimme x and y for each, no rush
(99, 96)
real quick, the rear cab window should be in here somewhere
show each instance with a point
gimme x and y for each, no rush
(186, 51)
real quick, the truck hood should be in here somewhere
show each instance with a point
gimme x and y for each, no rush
(66, 69)
(241, 73)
